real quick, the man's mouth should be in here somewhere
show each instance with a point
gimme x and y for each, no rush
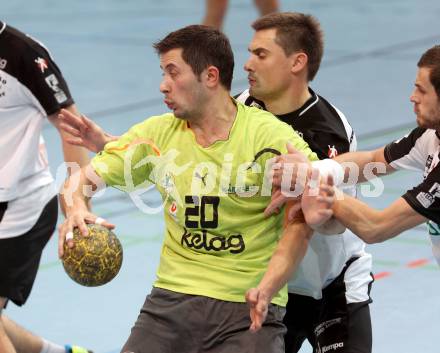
(252, 81)
(169, 104)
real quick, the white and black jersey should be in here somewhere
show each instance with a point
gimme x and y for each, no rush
(31, 88)
(327, 136)
(420, 150)
(328, 133)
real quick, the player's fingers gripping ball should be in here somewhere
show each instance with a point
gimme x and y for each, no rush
(95, 259)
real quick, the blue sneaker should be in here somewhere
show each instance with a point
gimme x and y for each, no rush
(76, 349)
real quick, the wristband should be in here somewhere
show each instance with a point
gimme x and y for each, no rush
(328, 167)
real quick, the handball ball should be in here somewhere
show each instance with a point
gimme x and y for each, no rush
(95, 259)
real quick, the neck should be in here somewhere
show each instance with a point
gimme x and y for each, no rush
(289, 100)
(216, 119)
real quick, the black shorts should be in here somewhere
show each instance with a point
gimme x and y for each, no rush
(329, 324)
(20, 256)
(171, 322)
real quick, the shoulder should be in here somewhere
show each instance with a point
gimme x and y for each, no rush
(22, 43)
(325, 113)
(417, 140)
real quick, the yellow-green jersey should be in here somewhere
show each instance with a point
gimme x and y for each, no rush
(217, 241)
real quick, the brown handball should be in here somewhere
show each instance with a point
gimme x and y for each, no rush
(95, 259)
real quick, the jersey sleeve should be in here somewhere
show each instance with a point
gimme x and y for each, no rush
(407, 152)
(425, 198)
(44, 79)
(127, 163)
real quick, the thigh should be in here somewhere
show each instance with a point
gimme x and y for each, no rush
(228, 330)
(344, 328)
(300, 320)
(20, 256)
(360, 336)
(168, 323)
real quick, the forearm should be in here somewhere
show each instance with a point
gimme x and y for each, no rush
(365, 165)
(72, 195)
(374, 226)
(75, 154)
(72, 154)
(288, 254)
(358, 217)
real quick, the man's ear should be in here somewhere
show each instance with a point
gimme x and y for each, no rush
(299, 62)
(211, 76)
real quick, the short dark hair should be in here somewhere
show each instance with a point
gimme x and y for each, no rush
(202, 46)
(296, 32)
(431, 60)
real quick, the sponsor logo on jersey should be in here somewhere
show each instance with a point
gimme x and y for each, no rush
(196, 240)
(168, 184)
(332, 347)
(433, 228)
(172, 210)
(3, 63)
(3, 83)
(332, 151)
(427, 198)
(325, 325)
(431, 163)
(41, 63)
(53, 83)
(428, 163)
(243, 191)
(202, 178)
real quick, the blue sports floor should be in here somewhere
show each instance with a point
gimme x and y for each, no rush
(104, 51)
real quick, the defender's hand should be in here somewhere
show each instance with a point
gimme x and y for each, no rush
(84, 132)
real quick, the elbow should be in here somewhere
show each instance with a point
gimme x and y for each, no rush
(370, 239)
(373, 236)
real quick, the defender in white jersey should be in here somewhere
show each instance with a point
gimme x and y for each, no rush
(419, 150)
(332, 282)
(32, 89)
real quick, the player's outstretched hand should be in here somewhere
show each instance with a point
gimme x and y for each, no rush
(258, 306)
(84, 132)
